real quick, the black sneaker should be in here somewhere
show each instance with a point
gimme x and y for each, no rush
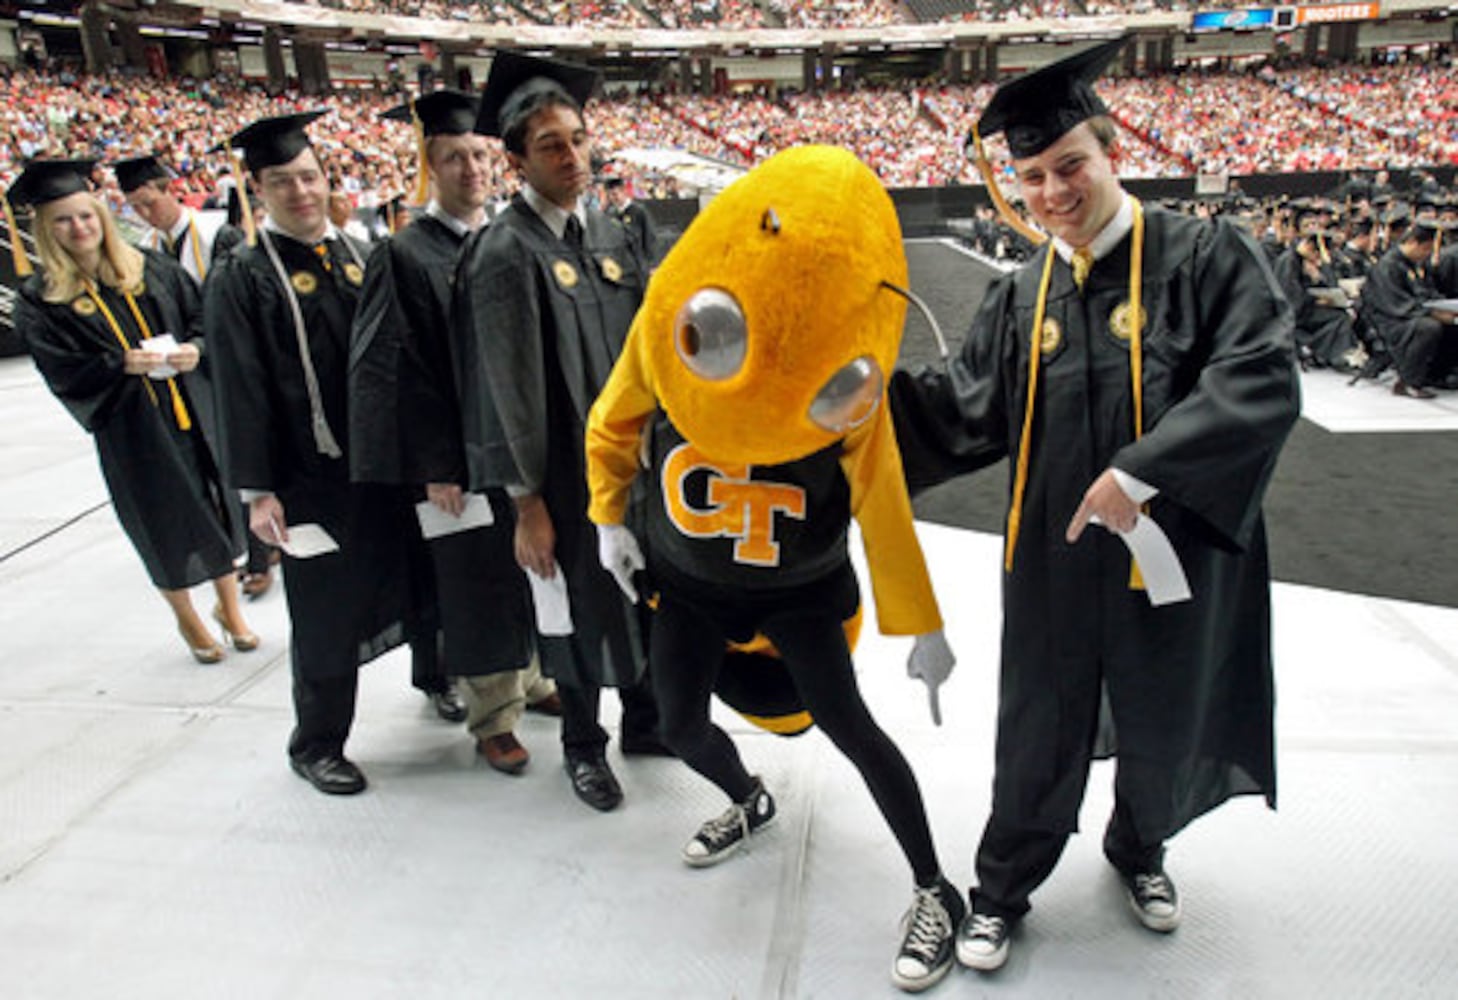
(982, 941)
(929, 930)
(721, 836)
(1154, 899)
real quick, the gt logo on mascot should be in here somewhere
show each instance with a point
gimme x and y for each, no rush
(737, 507)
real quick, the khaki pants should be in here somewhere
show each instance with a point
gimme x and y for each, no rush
(495, 702)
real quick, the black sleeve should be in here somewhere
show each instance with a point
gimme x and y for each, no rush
(955, 421)
(249, 422)
(88, 378)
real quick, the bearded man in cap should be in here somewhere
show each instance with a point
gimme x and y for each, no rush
(1140, 367)
(544, 298)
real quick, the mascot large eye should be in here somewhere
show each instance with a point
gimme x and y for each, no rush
(849, 397)
(710, 334)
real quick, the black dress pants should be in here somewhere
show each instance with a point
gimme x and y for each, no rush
(583, 736)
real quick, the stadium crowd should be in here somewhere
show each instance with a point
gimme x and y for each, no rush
(1298, 119)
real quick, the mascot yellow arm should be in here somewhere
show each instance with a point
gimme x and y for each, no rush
(905, 601)
(614, 426)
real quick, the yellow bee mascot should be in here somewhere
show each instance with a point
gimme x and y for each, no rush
(751, 389)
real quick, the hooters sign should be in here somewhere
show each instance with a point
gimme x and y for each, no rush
(731, 506)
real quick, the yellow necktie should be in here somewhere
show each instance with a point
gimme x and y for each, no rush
(322, 251)
(1082, 263)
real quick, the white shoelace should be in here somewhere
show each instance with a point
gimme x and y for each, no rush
(720, 831)
(985, 926)
(1154, 888)
(929, 926)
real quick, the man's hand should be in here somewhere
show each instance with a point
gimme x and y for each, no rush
(446, 496)
(266, 519)
(620, 555)
(536, 538)
(931, 661)
(1111, 504)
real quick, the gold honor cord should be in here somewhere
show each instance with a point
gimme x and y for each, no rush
(1136, 349)
(984, 167)
(17, 249)
(422, 171)
(195, 242)
(179, 410)
(1035, 351)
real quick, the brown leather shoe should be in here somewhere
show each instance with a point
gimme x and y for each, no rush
(1401, 388)
(550, 705)
(504, 752)
(255, 585)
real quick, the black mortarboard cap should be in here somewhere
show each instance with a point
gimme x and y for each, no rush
(270, 142)
(44, 181)
(612, 181)
(443, 112)
(133, 173)
(515, 78)
(1423, 229)
(1038, 108)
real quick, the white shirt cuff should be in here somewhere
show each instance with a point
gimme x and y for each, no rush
(1134, 488)
(248, 496)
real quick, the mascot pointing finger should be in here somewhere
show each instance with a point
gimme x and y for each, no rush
(751, 396)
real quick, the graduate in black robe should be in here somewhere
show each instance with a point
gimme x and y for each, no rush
(84, 320)
(1325, 331)
(543, 300)
(633, 217)
(406, 429)
(1421, 343)
(1181, 693)
(277, 315)
(195, 240)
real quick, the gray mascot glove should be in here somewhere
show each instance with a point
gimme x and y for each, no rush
(931, 661)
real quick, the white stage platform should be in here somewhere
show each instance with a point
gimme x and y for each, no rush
(155, 845)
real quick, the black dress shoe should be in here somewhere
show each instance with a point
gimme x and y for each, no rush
(330, 773)
(643, 746)
(594, 783)
(448, 704)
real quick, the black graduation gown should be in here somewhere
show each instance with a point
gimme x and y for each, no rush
(539, 326)
(1392, 303)
(1445, 275)
(1189, 685)
(406, 429)
(345, 607)
(164, 482)
(639, 224)
(1324, 334)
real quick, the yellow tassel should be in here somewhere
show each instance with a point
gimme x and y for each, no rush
(17, 249)
(422, 168)
(245, 208)
(984, 167)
